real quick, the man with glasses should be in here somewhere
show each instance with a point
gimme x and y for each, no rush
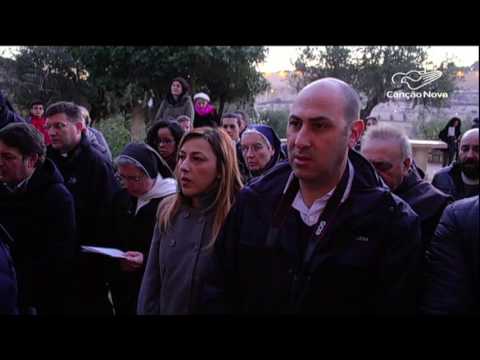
(146, 180)
(37, 210)
(390, 152)
(90, 179)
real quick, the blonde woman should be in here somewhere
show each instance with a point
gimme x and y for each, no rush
(189, 222)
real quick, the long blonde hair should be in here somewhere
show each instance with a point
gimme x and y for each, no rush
(229, 185)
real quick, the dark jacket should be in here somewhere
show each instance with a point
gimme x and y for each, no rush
(366, 263)
(40, 216)
(133, 231)
(7, 113)
(427, 201)
(443, 134)
(97, 140)
(242, 166)
(449, 180)
(8, 281)
(170, 110)
(90, 179)
(453, 258)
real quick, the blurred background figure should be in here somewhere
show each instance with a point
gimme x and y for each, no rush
(185, 123)
(37, 119)
(177, 102)
(95, 136)
(450, 135)
(7, 113)
(244, 120)
(205, 112)
(164, 137)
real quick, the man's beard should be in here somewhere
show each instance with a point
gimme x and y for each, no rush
(470, 169)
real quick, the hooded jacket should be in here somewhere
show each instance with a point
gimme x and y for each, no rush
(40, 216)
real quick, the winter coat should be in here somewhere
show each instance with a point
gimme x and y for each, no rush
(96, 138)
(132, 229)
(176, 265)
(7, 114)
(365, 263)
(170, 110)
(90, 179)
(8, 280)
(449, 180)
(40, 216)
(427, 201)
(453, 262)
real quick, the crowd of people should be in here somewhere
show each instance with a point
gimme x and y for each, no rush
(212, 214)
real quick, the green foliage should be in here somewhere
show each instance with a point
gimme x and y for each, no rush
(369, 70)
(118, 79)
(227, 73)
(116, 131)
(48, 74)
(277, 119)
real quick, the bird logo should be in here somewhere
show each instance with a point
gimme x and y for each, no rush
(416, 79)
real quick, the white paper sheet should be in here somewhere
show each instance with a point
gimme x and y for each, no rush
(104, 251)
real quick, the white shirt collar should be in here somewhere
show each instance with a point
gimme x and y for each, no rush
(310, 215)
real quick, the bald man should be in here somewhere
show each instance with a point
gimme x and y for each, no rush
(461, 179)
(319, 234)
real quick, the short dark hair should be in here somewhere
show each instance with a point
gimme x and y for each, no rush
(244, 116)
(234, 116)
(70, 109)
(26, 138)
(36, 102)
(176, 130)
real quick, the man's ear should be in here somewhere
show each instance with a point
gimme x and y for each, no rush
(32, 160)
(407, 163)
(80, 126)
(356, 131)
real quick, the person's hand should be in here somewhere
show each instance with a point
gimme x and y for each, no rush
(132, 262)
